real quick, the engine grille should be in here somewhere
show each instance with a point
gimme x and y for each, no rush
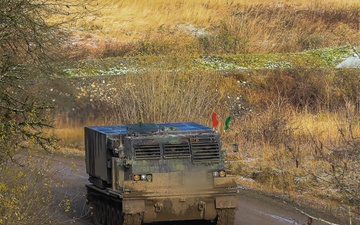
(181, 150)
(147, 152)
(205, 149)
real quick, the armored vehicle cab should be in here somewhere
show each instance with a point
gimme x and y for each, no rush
(157, 172)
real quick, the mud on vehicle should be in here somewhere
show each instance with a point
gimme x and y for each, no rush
(144, 173)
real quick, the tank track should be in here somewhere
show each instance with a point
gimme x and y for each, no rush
(225, 217)
(110, 213)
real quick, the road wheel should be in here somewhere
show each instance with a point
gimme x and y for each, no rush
(114, 219)
(132, 219)
(108, 215)
(102, 212)
(95, 211)
(225, 217)
(118, 217)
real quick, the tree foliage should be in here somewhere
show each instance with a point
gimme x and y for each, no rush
(31, 39)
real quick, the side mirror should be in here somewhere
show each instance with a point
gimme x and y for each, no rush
(235, 148)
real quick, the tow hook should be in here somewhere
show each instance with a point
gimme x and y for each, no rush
(158, 207)
(201, 206)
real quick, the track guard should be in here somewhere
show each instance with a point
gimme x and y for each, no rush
(226, 202)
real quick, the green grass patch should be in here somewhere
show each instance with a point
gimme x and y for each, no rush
(319, 58)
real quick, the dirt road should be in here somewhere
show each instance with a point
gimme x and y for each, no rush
(254, 209)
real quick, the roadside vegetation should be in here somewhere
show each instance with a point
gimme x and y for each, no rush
(270, 65)
(29, 44)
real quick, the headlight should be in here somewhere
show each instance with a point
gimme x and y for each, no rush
(220, 173)
(142, 177)
(137, 177)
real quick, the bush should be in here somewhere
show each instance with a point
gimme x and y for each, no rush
(157, 96)
(25, 193)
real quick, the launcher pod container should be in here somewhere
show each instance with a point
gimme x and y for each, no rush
(144, 173)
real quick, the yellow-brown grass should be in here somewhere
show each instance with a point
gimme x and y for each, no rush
(131, 20)
(138, 27)
(284, 146)
(291, 113)
(71, 139)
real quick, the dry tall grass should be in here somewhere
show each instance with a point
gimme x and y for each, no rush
(140, 15)
(230, 26)
(157, 96)
(281, 120)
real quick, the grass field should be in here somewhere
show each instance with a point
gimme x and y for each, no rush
(269, 64)
(132, 19)
(123, 28)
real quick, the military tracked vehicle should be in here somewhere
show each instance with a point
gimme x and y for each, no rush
(145, 173)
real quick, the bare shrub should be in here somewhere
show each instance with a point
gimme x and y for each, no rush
(347, 82)
(304, 89)
(227, 38)
(157, 96)
(340, 160)
(269, 144)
